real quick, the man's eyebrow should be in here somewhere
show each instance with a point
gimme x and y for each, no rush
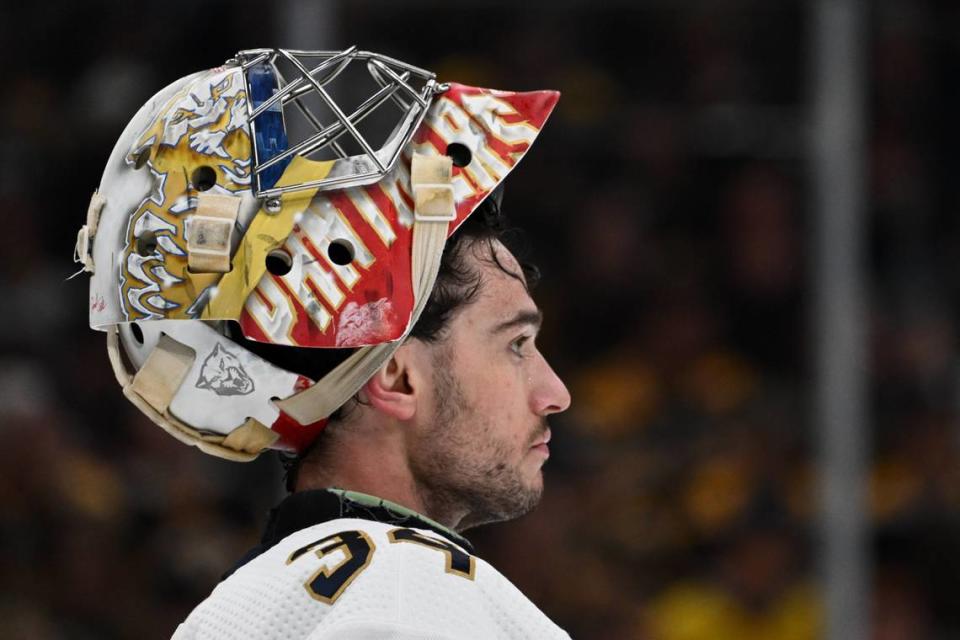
(522, 318)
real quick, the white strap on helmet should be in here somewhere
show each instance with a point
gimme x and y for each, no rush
(82, 251)
(209, 232)
(163, 372)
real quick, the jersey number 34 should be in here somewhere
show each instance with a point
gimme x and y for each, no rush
(330, 581)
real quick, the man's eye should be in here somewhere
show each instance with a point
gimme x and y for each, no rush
(517, 345)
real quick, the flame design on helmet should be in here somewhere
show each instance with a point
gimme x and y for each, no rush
(203, 125)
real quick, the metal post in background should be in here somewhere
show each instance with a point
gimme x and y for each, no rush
(310, 25)
(839, 318)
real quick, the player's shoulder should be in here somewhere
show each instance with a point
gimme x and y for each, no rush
(341, 573)
(424, 579)
(362, 559)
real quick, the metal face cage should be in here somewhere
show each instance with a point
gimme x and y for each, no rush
(288, 88)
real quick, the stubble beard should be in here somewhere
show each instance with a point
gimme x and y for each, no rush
(461, 472)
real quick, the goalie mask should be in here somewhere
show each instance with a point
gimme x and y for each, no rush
(256, 198)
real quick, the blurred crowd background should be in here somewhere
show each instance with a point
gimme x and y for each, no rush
(668, 204)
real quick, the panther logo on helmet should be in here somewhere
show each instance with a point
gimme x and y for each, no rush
(223, 374)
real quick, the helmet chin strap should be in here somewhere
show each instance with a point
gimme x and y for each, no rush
(434, 209)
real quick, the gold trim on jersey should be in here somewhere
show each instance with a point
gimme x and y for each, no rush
(343, 541)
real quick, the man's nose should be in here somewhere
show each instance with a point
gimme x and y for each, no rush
(549, 395)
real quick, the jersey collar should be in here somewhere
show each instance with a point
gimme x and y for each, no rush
(409, 517)
(307, 508)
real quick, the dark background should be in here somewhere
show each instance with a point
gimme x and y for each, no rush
(668, 204)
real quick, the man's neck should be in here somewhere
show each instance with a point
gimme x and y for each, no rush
(371, 459)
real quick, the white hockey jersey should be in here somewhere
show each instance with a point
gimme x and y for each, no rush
(357, 577)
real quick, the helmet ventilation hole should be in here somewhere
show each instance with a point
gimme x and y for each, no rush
(459, 153)
(137, 332)
(279, 262)
(340, 252)
(146, 244)
(203, 178)
(141, 158)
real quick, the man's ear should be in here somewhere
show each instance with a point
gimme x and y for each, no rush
(393, 388)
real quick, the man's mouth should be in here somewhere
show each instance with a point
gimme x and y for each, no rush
(540, 444)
